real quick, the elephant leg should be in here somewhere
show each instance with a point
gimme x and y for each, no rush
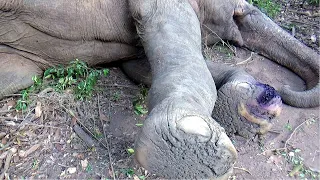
(240, 108)
(138, 70)
(179, 138)
(16, 73)
(261, 34)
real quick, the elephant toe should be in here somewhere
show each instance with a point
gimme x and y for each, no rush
(187, 146)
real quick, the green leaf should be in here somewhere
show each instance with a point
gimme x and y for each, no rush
(130, 151)
(297, 150)
(138, 109)
(139, 125)
(61, 80)
(130, 172)
(48, 76)
(105, 72)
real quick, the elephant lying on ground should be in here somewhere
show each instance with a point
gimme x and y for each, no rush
(179, 139)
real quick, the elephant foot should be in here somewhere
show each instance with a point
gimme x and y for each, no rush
(252, 106)
(178, 142)
(16, 73)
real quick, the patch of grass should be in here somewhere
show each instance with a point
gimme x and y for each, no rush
(116, 96)
(35, 164)
(76, 76)
(139, 103)
(313, 2)
(224, 48)
(299, 169)
(267, 6)
(128, 172)
(288, 126)
(88, 168)
(139, 124)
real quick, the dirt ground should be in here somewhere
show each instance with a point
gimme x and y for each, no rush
(44, 142)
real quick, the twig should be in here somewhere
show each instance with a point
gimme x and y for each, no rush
(243, 169)
(40, 125)
(7, 164)
(286, 143)
(83, 135)
(220, 39)
(63, 165)
(9, 95)
(105, 136)
(310, 24)
(307, 13)
(274, 131)
(11, 118)
(271, 150)
(243, 62)
(5, 100)
(5, 146)
(8, 111)
(118, 85)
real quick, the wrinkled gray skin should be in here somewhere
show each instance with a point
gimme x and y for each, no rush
(180, 139)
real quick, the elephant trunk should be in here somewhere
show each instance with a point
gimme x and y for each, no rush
(262, 35)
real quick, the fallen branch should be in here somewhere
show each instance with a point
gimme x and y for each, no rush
(119, 85)
(83, 135)
(221, 39)
(286, 143)
(7, 163)
(11, 118)
(285, 148)
(106, 139)
(307, 13)
(8, 111)
(243, 62)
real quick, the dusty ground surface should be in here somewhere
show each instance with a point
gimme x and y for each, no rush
(44, 142)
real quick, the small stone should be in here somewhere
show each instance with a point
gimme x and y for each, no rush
(84, 163)
(291, 154)
(16, 159)
(313, 38)
(22, 153)
(72, 170)
(2, 134)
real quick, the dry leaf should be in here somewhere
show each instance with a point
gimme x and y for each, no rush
(29, 151)
(38, 111)
(4, 155)
(2, 134)
(11, 104)
(73, 121)
(135, 177)
(103, 117)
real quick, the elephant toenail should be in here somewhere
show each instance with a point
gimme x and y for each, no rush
(194, 125)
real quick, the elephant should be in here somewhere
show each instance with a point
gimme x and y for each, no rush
(181, 137)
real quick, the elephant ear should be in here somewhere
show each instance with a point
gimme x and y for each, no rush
(262, 35)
